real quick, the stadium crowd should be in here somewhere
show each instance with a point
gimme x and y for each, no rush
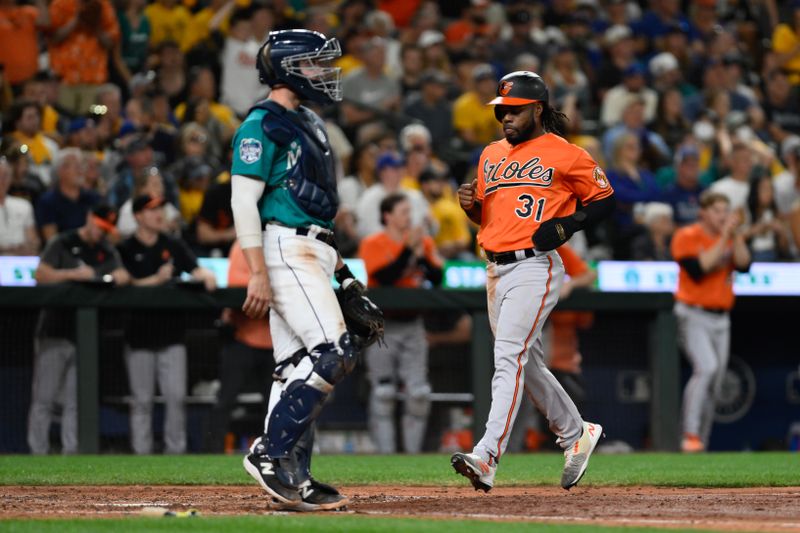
(672, 97)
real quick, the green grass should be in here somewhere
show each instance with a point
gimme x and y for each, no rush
(661, 469)
(305, 524)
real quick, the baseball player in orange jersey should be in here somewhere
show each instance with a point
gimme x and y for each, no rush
(525, 199)
(707, 252)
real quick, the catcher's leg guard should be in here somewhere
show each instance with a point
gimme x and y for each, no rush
(302, 399)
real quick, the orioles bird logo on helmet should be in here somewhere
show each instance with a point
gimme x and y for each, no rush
(505, 87)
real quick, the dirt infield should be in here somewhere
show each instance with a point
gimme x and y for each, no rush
(753, 509)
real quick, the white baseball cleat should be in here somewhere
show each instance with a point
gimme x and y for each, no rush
(479, 472)
(576, 457)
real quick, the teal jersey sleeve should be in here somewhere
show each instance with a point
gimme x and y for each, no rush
(252, 151)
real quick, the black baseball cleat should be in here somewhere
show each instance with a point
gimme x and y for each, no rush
(273, 478)
(319, 496)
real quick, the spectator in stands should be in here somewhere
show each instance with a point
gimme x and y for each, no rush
(617, 98)
(215, 230)
(434, 51)
(735, 82)
(171, 71)
(670, 122)
(787, 183)
(108, 108)
(736, 185)
(473, 21)
(667, 75)
(786, 44)
(82, 34)
(92, 173)
(565, 78)
(766, 234)
(655, 151)
(82, 134)
(82, 254)
(389, 168)
(350, 188)
(154, 348)
(19, 34)
(399, 256)
(432, 107)
(65, 205)
(452, 237)
(714, 82)
(474, 120)
(203, 86)
(505, 51)
(138, 158)
(632, 185)
(620, 54)
(412, 67)
(148, 182)
(415, 142)
(18, 235)
(239, 88)
(35, 90)
(683, 195)
(206, 25)
(247, 354)
(135, 32)
(24, 184)
(380, 24)
(653, 244)
(780, 105)
(168, 21)
(25, 118)
(192, 186)
(369, 91)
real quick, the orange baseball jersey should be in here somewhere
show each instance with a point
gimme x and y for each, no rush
(379, 251)
(564, 353)
(715, 289)
(253, 332)
(522, 186)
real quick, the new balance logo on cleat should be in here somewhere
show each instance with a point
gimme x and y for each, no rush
(266, 468)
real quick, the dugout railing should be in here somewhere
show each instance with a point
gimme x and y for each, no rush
(653, 312)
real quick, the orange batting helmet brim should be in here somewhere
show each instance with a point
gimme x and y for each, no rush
(507, 100)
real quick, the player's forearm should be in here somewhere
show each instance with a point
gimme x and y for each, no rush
(741, 254)
(710, 259)
(595, 212)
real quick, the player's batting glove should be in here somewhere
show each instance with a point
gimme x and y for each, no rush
(556, 231)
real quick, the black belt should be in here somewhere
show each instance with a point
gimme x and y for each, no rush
(504, 258)
(325, 236)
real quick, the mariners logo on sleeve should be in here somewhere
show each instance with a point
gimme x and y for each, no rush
(250, 150)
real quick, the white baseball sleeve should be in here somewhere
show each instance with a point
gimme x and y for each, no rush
(245, 194)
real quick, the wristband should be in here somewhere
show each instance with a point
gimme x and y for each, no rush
(343, 274)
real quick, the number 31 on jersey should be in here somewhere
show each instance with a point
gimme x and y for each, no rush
(526, 208)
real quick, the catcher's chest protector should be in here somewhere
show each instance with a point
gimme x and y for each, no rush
(311, 171)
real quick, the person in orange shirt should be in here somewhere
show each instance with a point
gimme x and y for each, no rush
(525, 199)
(707, 253)
(19, 32)
(82, 34)
(247, 353)
(399, 256)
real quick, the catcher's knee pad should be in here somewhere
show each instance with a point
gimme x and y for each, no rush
(418, 401)
(284, 368)
(383, 398)
(332, 362)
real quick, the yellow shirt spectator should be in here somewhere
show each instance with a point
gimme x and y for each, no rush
(471, 114)
(199, 27)
(784, 41)
(168, 21)
(219, 111)
(452, 222)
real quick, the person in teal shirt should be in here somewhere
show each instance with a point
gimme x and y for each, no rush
(284, 200)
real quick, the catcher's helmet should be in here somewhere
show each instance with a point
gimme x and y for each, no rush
(520, 88)
(293, 57)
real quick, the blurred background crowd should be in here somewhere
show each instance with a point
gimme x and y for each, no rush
(103, 101)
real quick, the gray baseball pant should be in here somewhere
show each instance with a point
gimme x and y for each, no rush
(168, 366)
(54, 374)
(705, 338)
(404, 359)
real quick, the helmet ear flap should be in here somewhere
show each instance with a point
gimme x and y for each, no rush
(499, 112)
(266, 74)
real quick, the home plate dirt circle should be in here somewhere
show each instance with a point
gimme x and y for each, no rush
(750, 509)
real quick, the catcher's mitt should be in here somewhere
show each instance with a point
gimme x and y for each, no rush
(363, 318)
